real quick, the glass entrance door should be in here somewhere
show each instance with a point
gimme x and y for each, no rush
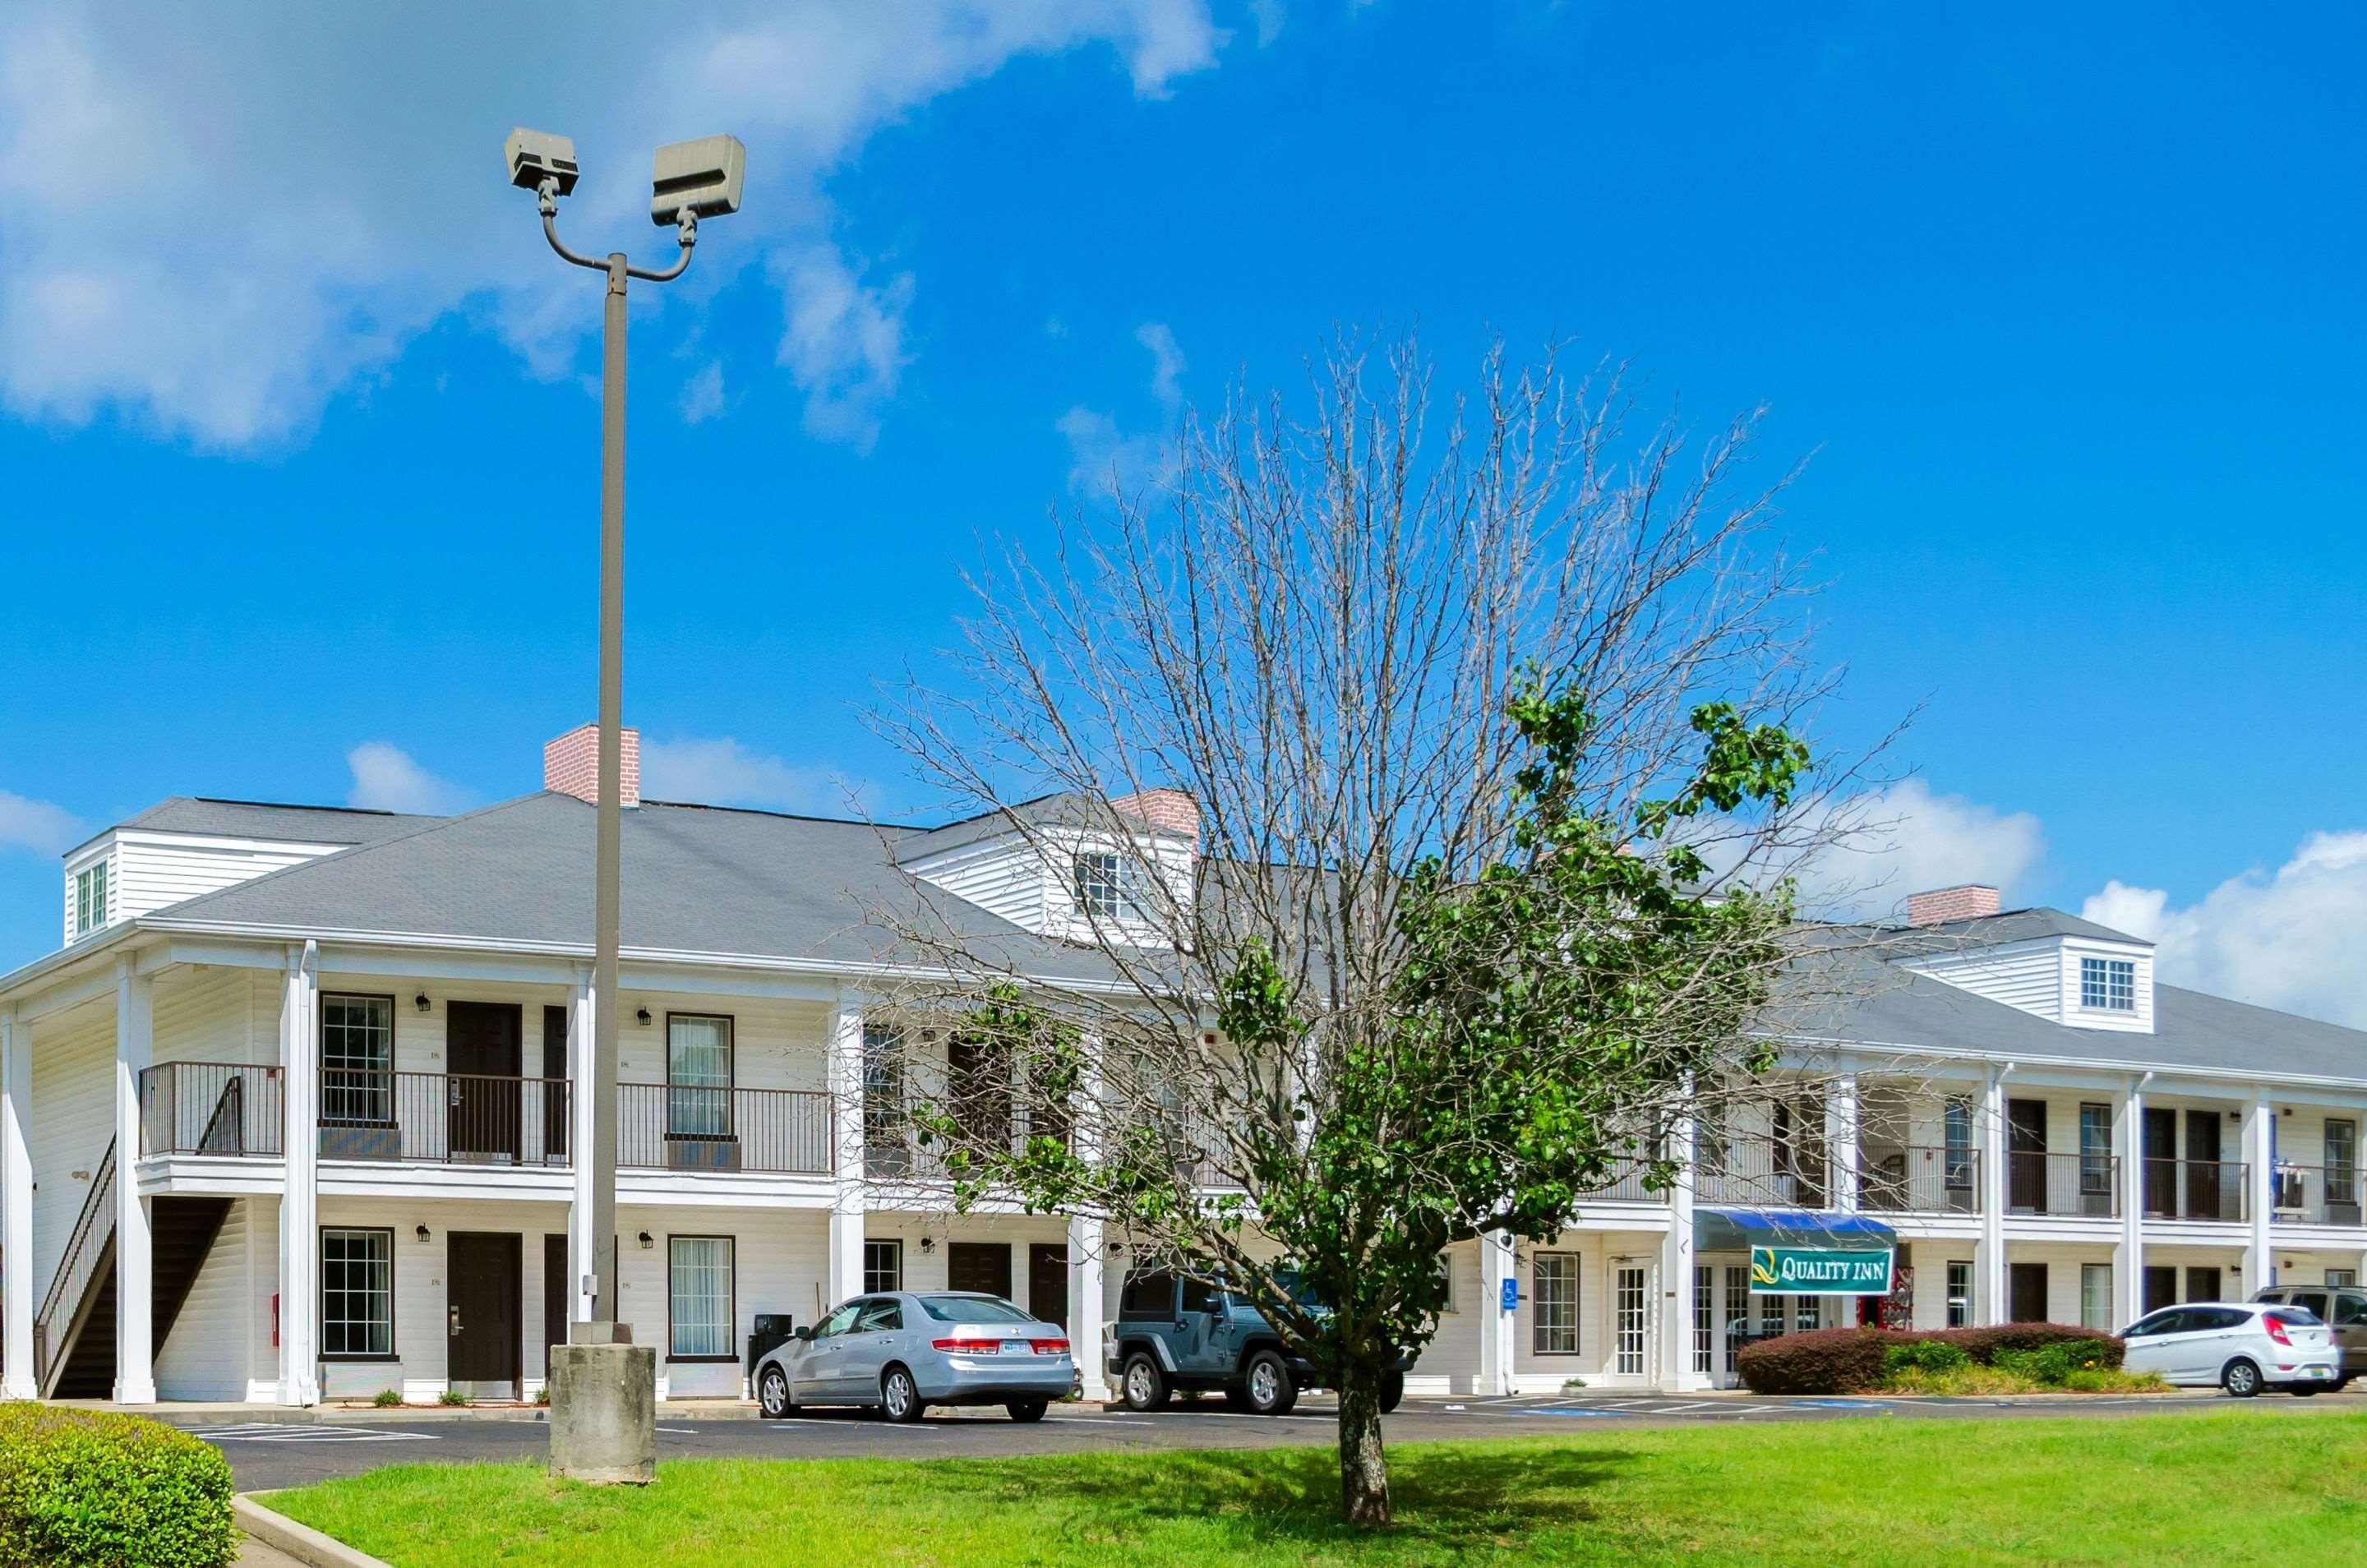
(1631, 1319)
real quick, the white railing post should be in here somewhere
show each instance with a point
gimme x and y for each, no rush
(16, 1296)
(135, 1040)
(299, 1203)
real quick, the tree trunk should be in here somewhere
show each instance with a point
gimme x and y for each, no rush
(1364, 1469)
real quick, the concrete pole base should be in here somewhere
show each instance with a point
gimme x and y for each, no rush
(604, 1414)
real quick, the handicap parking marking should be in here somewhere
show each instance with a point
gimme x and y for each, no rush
(266, 1432)
(1838, 1405)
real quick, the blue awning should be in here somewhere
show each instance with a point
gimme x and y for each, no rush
(1739, 1230)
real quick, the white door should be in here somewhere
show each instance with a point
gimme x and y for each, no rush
(1631, 1319)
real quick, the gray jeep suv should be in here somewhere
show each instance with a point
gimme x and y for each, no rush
(2343, 1308)
(1177, 1332)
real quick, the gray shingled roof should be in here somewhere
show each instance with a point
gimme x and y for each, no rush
(696, 879)
(261, 819)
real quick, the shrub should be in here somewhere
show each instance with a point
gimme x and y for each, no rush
(91, 1489)
(1855, 1361)
(387, 1398)
(452, 1396)
(1823, 1360)
(1925, 1356)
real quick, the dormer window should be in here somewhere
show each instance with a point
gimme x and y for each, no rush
(2108, 984)
(90, 898)
(1109, 887)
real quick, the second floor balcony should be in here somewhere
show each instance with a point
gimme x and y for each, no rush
(366, 1114)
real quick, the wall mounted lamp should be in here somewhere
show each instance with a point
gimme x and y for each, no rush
(928, 1245)
(421, 1232)
(643, 1015)
(646, 1241)
(420, 1001)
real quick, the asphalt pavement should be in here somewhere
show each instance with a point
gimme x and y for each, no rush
(265, 1455)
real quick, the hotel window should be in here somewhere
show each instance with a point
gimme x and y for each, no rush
(883, 1267)
(1552, 1303)
(1960, 1294)
(2096, 1296)
(2341, 1161)
(699, 1076)
(90, 898)
(356, 1295)
(885, 1152)
(698, 1298)
(357, 1059)
(2108, 984)
(2342, 1276)
(1958, 1166)
(1705, 1314)
(1709, 1140)
(1111, 887)
(2095, 1150)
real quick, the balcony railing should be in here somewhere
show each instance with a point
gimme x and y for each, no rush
(2318, 1195)
(442, 1118)
(1918, 1179)
(1758, 1172)
(2195, 1190)
(209, 1107)
(2056, 1184)
(678, 1127)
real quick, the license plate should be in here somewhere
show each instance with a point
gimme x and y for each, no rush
(1015, 1346)
(2318, 1371)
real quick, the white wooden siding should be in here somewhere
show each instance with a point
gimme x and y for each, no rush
(1003, 876)
(2025, 974)
(155, 871)
(210, 1352)
(73, 1116)
(212, 1016)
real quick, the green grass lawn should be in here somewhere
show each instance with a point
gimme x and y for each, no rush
(2228, 1487)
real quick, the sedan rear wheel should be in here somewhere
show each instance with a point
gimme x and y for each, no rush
(2240, 1379)
(772, 1394)
(899, 1398)
(1143, 1384)
(1027, 1409)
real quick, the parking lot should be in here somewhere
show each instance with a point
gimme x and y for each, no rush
(266, 1454)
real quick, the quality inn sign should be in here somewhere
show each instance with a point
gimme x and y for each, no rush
(1819, 1271)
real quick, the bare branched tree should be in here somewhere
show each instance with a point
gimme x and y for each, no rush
(1399, 802)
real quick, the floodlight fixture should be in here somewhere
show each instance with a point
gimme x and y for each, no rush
(699, 179)
(535, 156)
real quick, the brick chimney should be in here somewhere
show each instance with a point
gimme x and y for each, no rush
(571, 765)
(1941, 905)
(1163, 811)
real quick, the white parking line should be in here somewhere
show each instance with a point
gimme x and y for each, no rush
(263, 1432)
(683, 1431)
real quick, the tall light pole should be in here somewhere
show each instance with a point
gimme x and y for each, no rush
(604, 1388)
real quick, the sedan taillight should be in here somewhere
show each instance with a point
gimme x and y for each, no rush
(968, 1346)
(2275, 1325)
(1050, 1346)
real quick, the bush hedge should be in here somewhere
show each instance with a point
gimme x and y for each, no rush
(1855, 1360)
(91, 1489)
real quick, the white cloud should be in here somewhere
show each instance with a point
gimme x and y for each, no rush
(1876, 849)
(702, 395)
(843, 344)
(1166, 362)
(2286, 939)
(724, 772)
(37, 825)
(386, 779)
(219, 218)
(1100, 455)
(1269, 15)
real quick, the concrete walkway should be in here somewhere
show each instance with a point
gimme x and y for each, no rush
(255, 1554)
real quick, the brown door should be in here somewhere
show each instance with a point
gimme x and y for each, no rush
(553, 1112)
(2202, 1174)
(1048, 1282)
(2161, 1163)
(480, 1044)
(984, 1266)
(2160, 1288)
(554, 1296)
(2026, 1284)
(482, 1284)
(2025, 1154)
(2203, 1285)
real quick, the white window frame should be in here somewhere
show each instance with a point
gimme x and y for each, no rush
(374, 1293)
(2095, 1300)
(1960, 1293)
(708, 1328)
(92, 890)
(1109, 884)
(879, 1281)
(2108, 984)
(1564, 1322)
(357, 1088)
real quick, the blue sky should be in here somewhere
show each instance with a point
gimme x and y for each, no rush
(302, 458)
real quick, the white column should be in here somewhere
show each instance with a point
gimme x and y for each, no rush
(846, 1209)
(1497, 1323)
(1677, 1268)
(1990, 1303)
(135, 1285)
(16, 1208)
(2260, 1192)
(2128, 1257)
(1086, 1289)
(583, 1307)
(1841, 1138)
(300, 1205)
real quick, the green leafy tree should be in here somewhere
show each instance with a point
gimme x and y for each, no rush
(1429, 782)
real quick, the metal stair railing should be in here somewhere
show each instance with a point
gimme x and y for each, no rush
(85, 1249)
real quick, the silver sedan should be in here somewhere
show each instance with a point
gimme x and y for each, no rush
(905, 1350)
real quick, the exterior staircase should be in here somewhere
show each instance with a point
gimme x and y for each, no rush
(73, 1335)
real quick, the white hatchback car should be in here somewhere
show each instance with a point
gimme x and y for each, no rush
(2241, 1346)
